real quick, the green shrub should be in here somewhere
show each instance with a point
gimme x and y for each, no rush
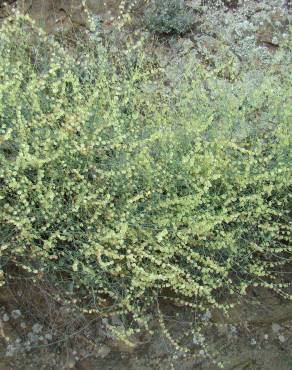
(170, 17)
(122, 195)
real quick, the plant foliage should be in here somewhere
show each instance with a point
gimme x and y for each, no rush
(123, 194)
(169, 17)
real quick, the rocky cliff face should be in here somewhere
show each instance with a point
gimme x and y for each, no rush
(237, 22)
(63, 15)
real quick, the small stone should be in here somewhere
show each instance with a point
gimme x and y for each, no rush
(5, 317)
(282, 339)
(253, 342)
(276, 328)
(23, 325)
(16, 314)
(266, 337)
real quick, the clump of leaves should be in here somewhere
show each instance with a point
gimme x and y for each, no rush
(169, 17)
(122, 195)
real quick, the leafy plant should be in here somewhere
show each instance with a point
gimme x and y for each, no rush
(171, 17)
(129, 195)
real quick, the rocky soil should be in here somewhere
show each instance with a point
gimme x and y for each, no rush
(37, 334)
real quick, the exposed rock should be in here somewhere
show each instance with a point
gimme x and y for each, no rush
(271, 30)
(63, 15)
(55, 15)
(276, 328)
(103, 7)
(282, 339)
